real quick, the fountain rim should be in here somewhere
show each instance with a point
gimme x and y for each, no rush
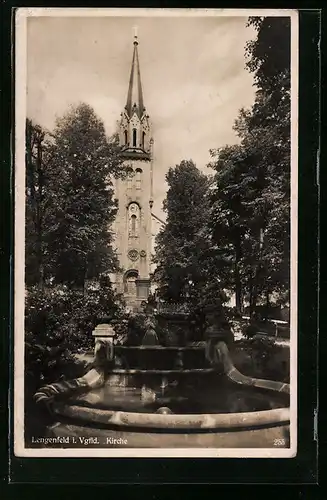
(121, 348)
(175, 422)
(160, 347)
(157, 371)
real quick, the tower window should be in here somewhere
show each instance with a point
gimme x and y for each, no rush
(138, 178)
(133, 217)
(133, 229)
(125, 135)
(143, 139)
(134, 137)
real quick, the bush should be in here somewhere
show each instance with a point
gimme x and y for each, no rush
(249, 330)
(58, 323)
(135, 329)
(265, 356)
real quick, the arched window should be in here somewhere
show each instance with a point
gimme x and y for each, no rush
(130, 282)
(134, 137)
(125, 135)
(138, 178)
(133, 220)
(133, 225)
(143, 140)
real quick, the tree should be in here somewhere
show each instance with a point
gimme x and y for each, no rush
(250, 201)
(183, 239)
(230, 216)
(38, 174)
(189, 268)
(269, 127)
(69, 210)
(83, 198)
(269, 55)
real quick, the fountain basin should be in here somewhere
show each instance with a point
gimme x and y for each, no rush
(117, 430)
(112, 413)
(215, 406)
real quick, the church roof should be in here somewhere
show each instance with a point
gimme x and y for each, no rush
(134, 101)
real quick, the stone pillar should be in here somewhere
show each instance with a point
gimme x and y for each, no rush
(104, 335)
(143, 289)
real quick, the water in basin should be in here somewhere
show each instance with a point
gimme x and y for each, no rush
(211, 395)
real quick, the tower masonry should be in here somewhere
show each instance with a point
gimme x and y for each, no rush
(132, 228)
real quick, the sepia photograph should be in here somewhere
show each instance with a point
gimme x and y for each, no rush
(155, 233)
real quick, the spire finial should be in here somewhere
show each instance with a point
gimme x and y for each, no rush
(134, 101)
(135, 35)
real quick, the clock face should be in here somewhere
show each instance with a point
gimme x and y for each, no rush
(133, 254)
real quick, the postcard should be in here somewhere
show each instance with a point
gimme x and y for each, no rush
(155, 233)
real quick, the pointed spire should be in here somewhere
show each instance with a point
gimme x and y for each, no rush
(135, 94)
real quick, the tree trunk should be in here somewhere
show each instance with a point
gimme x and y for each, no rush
(238, 290)
(253, 297)
(238, 283)
(267, 304)
(40, 263)
(39, 214)
(85, 281)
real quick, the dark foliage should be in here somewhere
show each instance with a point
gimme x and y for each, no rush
(59, 323)
(70, 207)
(250, 197)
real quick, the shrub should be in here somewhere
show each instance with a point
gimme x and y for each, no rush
(249, 330)
(135, 329)
(58, 323)
(265, 354)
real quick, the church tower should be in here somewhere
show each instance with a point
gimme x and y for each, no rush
(133, 233)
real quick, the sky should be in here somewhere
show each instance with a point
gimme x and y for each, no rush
(192, 69)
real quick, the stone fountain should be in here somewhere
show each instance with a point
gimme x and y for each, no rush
(179, 395)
